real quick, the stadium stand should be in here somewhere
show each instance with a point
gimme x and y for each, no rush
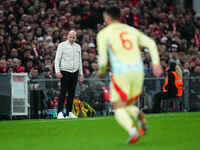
(30, 31)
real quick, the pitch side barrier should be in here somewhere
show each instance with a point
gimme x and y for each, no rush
(43, 94)
(93, 91)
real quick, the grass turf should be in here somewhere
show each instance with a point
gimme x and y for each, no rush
(169, 131)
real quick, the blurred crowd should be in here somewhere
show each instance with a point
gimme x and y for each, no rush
(30, 31)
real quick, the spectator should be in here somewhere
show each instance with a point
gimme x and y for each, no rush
(17, 66)
(9, 62)
(29, 65)
(37, 95)
(3, 66)
(14, 53)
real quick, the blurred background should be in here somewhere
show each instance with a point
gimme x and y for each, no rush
(30, 31)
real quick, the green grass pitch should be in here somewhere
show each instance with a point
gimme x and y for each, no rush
(169, 131)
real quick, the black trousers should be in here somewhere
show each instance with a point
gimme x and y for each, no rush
(157, 100)
(37, 102)
(68, 85)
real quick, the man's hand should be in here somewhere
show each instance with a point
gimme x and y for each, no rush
(81, 78)
(59, 75)
(157, 70)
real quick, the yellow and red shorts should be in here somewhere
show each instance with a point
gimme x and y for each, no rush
(126, 87)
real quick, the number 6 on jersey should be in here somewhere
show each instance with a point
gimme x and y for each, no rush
(127, 44)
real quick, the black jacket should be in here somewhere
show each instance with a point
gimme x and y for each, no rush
(170, 87)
